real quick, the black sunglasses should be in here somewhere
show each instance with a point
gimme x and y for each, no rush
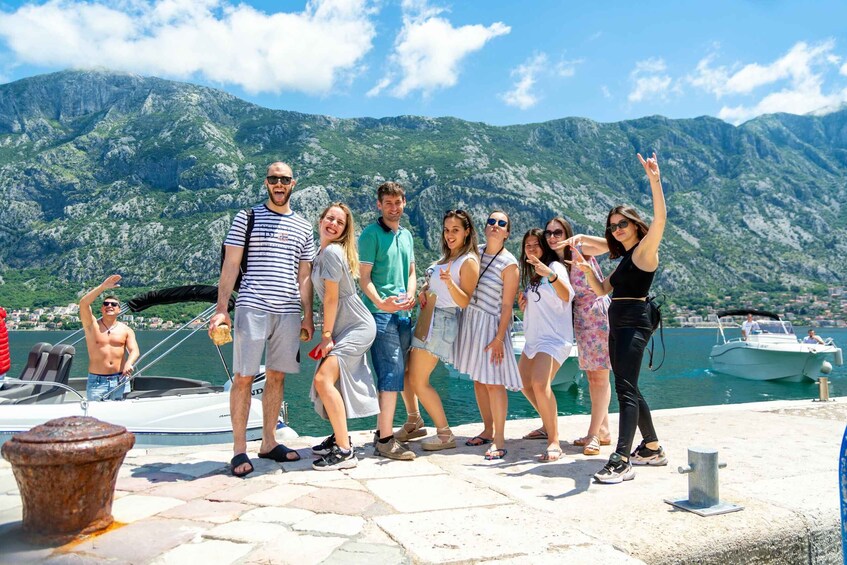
(554, 233)
(622, 225)
(108, 303)
(501, 223)
(277, 180)
(456, 212)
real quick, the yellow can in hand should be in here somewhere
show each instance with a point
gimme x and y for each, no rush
(221, 335)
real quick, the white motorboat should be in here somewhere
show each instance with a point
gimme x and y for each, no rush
(568, 374)
(159, 410)
(771, 352)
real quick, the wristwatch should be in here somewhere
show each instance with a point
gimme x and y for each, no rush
(327, 334)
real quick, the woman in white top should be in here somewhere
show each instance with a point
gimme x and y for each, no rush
(453, 279)
(483, 349)
(548, 329)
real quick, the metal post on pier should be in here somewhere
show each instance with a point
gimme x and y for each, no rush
(703, 492)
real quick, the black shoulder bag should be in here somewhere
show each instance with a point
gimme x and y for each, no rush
(243, 269)
(654, 312)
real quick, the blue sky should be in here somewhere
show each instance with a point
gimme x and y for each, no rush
(496, 61)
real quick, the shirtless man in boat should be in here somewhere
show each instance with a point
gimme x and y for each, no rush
(112, 349)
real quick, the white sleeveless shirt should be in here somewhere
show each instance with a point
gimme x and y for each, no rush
(439, 287)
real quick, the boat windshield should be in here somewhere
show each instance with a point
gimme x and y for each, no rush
(774, 327)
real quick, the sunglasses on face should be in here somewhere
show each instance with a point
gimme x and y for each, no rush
(501, 223)
(109, 303)
(278, 180)
(554, 233)
(622, 225)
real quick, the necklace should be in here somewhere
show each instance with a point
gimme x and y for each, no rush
(110, 328)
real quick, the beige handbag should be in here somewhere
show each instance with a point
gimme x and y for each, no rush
(425, 317)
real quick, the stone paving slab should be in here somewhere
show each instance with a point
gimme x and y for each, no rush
(207, 511)
(287, 516)
(331, 524)
(132, 508)
(246, 532)
(140, 542)
(418, 494)
(290, 548)
(218, 552)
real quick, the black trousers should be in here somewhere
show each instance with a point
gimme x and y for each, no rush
(629, 331)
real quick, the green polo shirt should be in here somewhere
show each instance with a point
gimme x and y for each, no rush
(391, 254)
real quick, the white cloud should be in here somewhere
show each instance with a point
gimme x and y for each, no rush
(650, 80)
(604, 90)
(309, 51)
(428, 51)
(799, 74)
(521, 95)
(843, 70)
(527, 74)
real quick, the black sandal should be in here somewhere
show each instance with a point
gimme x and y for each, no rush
(238, 461)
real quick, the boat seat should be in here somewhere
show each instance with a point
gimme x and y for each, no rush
(34, 370)
(58, 370)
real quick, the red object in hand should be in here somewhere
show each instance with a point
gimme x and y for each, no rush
(316, 352)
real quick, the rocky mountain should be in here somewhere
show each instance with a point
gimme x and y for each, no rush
(105, 172)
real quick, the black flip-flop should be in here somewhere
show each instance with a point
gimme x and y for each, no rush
(280, 454)
(476, 441)
(238, 461)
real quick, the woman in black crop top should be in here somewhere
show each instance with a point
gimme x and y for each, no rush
(637, 244)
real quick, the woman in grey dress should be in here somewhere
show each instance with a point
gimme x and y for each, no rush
(343, 386)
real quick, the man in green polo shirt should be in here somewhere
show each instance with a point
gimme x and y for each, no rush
(388, 281)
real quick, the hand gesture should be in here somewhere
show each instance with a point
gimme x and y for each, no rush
(541, 269)
(580, 262)
(497, 349)
(445, 275)
(111, 282)
(651, 167)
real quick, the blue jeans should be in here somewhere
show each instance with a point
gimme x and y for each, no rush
(389, 350)
(98, 385)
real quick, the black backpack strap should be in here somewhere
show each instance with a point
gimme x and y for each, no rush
(653, 346)
(251, 220)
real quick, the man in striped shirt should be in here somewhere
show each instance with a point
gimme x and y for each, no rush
(273, 290)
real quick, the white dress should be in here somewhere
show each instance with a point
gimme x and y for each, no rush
(548, 320)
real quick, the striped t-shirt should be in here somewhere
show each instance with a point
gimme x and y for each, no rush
(278, 243)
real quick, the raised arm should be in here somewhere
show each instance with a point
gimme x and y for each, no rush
(592, 245)
(86, 315)
(646, 256)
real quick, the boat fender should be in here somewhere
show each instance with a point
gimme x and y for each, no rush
(826, 368)
(839, 360)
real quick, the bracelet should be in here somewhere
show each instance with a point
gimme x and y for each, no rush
(553, 280)
(498, 339)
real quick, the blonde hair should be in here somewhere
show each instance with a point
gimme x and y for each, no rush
(347, 240)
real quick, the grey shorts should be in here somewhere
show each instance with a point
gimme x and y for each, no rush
(253, 330)
(442, 334)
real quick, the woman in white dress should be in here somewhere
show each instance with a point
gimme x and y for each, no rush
(483, 349)
(453, 279)
(548, 329)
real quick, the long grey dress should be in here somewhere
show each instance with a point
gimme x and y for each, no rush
(353, 333)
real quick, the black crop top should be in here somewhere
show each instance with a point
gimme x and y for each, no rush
(628, 281)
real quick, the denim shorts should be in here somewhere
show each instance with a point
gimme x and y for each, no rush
(98, 385)
(442, 334)
(389, 350)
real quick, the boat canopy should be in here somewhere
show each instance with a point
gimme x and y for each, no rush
(745, 311)
(176, 295)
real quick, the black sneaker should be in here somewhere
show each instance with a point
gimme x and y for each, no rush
(643, 455)
(336, 459)
(324, 447)
(615, 471)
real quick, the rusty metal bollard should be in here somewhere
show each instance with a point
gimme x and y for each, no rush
(66, 471)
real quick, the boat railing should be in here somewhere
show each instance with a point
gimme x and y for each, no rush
(83, 401)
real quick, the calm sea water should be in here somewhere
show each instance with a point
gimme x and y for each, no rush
(683, 380)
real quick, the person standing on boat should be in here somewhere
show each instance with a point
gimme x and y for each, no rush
(629, 237)
(548, 328)
(5, 359)
(483, 349)
(389, 282)
(274, 288)
(591, 328)
(112, 348)
(451, 282)
(343, 386)
(749, 327)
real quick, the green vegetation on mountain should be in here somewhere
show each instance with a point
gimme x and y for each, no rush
(105, 172)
